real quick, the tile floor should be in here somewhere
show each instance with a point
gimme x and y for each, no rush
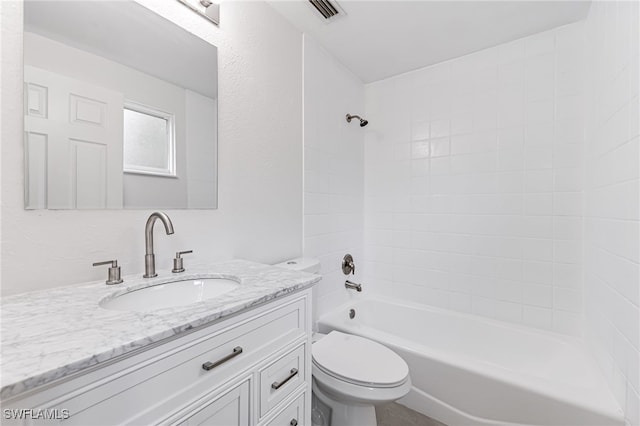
(394, 414)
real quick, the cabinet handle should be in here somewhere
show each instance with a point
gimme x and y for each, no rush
(293, 422)
(277, 385)
(211, 365)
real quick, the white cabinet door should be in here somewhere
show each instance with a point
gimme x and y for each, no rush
(229, 409)
(73, 143)
(292, 415)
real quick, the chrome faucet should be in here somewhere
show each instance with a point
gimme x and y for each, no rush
(353, 286)
(149, 257)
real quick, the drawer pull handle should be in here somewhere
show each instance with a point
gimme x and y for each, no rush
(211, 365)
(293, 422)
(278, 385)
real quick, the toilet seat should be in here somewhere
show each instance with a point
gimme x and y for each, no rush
(359, 361)
(341, 390)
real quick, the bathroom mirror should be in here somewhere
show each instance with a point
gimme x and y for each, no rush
(120, 109)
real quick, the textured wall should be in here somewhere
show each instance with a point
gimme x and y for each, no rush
(333, 171)
(473, 183)
(260, 173)
(612, 247)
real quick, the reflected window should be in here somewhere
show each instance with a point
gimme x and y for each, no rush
(149, 141)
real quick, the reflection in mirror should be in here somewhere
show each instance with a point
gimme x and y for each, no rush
(148, 141)
(120, 109)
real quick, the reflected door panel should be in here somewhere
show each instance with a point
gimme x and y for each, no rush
(73, 142)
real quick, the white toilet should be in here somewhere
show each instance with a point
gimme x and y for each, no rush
(351, 374)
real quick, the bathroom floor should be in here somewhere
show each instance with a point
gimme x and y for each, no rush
(394, 414)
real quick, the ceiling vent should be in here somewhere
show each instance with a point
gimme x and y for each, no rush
(326, 8)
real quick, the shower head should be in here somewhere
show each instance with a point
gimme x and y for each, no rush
(363, 122)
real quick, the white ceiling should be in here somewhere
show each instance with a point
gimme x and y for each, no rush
(128, 33)
(379, 39)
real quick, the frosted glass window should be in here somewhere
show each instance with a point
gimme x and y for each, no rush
(148, 141)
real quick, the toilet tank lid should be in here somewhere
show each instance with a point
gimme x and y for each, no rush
(304, 264)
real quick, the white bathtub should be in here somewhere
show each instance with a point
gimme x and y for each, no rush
(467, 370)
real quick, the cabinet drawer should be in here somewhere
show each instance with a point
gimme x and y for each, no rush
(281, 377)
(151, 390)
(291, 415)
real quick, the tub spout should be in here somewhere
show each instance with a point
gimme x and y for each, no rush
(353, 286)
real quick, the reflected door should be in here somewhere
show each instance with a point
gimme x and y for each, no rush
(73, 143)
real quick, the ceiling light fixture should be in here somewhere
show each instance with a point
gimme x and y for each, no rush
(209, 9)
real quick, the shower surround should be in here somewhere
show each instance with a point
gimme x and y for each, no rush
(505, 184)
(474, 179)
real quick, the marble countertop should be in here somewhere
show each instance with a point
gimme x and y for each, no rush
(50, 334)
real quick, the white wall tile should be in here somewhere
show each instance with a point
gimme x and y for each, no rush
(537, 295)
(567, 322)
(538, 272)
(568, 155)
(567, 204)
(568, 179)
(334, 177)
(537, 317)
(567, 251)
(488, 212)
(611, 267)
(538, 181)
(538, 204)
(567, 299)
(567, 275)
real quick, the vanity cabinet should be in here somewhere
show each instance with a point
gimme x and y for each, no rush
(248, 369)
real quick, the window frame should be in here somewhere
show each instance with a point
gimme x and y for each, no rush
(170, 171)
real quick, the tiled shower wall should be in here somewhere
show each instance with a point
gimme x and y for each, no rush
(333, 172)
(474, 180)
(612, 281)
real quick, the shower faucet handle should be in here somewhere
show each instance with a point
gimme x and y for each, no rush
(178, 266)
(348, 267)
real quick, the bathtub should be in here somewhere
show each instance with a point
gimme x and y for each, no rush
(467, 370)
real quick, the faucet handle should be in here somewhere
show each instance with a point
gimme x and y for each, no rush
(114, 271)
(348, 266)
(177, 262)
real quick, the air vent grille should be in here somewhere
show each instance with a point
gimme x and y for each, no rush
(326, 9)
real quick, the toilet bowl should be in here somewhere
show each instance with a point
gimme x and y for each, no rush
(351, 375)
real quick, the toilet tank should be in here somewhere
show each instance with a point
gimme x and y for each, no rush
(304, 264)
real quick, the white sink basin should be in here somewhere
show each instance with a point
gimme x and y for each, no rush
(176, 293)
